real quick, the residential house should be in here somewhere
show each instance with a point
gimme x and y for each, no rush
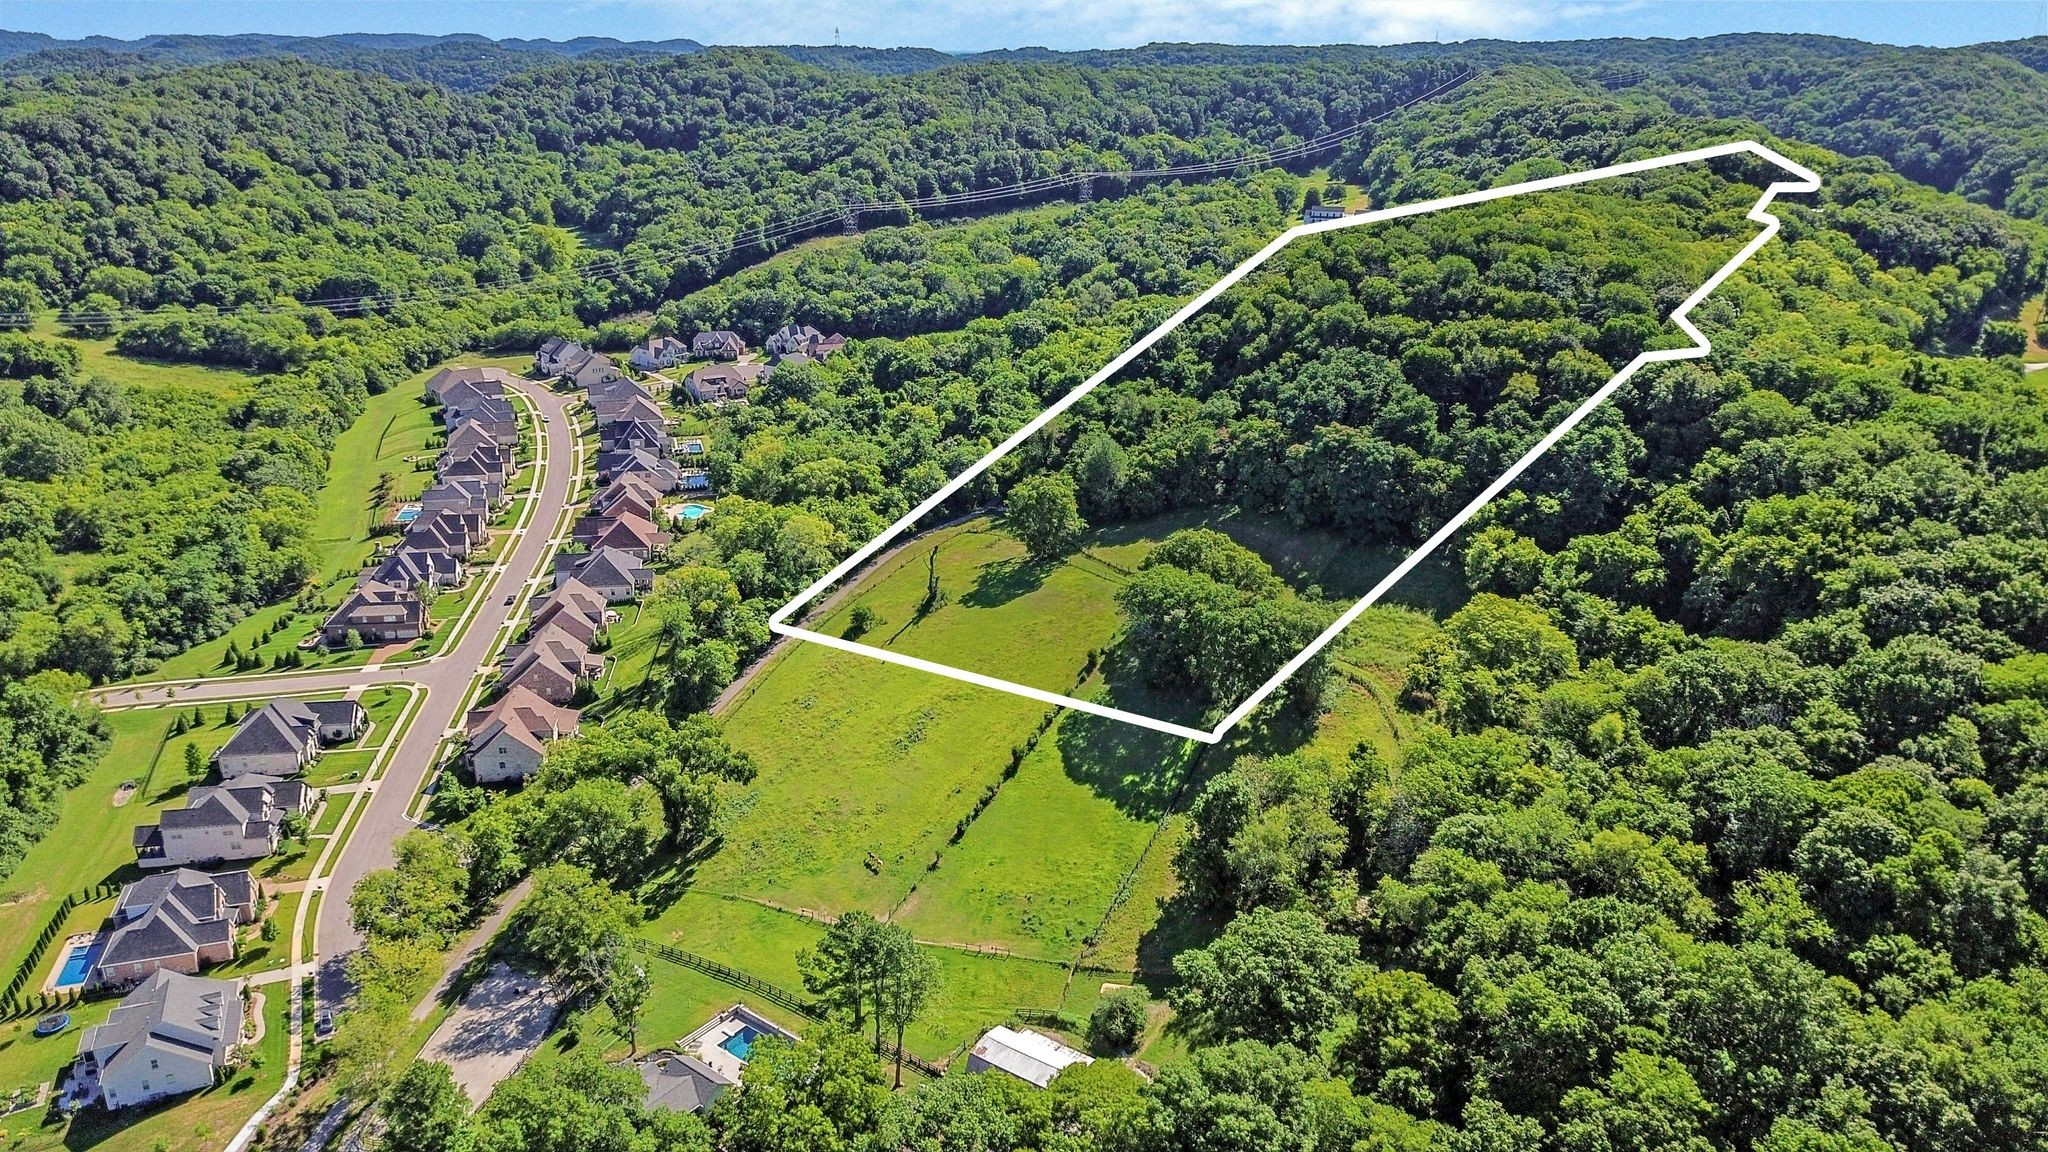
(720, 345)
(573, 621)
(377, 613)
(723, 383)
(707, 1062)
(285, 735)
(619, 409)
(239, 820)
(470, 436)
(463, 395)
(593, 369)
(1032, 1057)
(1319, 213)
(415, 567)
(615, 575)
(792, 338)
(572, 599)
(491, 413)
(626, 435)
(659, 352)
(659, 471)
(180, 919)
(457, 533)
(540, 672)
(482, 495)
(635, 535)
(631, 492)
(825, 347)
(619, 388)
(449, 379)
(507, 739)
(169, 1036)
(566, 649)
(556, 355)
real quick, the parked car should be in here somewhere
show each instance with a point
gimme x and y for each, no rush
(511, 596)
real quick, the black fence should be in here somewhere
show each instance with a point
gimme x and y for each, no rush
(766, 991)
(13, 1005)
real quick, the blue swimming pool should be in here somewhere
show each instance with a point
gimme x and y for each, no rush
(77, 965)
(694, 511)
(408, 514)
(741, 1043)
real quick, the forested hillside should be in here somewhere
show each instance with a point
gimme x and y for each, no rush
(1721, 817)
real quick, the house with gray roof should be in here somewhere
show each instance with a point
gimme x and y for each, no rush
(285, 735)
(593, 369)
(412, 566)
(625, 435)
(467, 438)
(659, 470)
(791, 338)
(556, 354)
(719, 345)
(493, 414)
(169, 1036)
(478, 379)
(615, 575)
(607, 391)
(457, 532)
(624, 531)
(724, 383)
(679, 1082)
(182, 920)
(239, 820)
(622, 408)
(377, 613)
(659, 352)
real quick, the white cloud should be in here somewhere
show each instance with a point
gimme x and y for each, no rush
(1070, 24)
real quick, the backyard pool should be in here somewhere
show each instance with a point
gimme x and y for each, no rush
(741, 1043)
(77, 965)
(694, 511)
(407, 514)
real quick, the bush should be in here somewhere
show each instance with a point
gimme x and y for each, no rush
(1118, 1023)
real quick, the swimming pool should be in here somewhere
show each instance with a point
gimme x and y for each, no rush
(77, 965)
(741, 1043)
(694, 511)
(407, 514)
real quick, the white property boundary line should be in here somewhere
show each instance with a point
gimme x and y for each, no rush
(1807, 181)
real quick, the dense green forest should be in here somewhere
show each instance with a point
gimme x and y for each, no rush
(1725, 826)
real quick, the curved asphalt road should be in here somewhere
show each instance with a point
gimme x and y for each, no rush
(446, 678)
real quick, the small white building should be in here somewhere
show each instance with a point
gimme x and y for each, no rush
(1032, 1057)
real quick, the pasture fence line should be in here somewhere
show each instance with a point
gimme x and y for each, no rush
(772, 993)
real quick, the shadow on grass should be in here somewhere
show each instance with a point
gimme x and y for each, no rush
(1006, 580)
(672, 876)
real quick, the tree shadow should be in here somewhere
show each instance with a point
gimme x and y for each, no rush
(1005, 580)
(1184, 923)
(1138, 769)
(672, 877)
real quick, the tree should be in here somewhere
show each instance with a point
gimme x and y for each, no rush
(195, 762)
(1043, 515)
(626, 990)
(1118, 1022)
(825, 1093)
(861, 620)
(573, 924)
(844, 969)
(425, 1111)
(1271, 976)
(1402, 1047)
(909, 978)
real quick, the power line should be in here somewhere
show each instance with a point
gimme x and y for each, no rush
(766, 234)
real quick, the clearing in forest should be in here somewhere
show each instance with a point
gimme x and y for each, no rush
(1485, 336)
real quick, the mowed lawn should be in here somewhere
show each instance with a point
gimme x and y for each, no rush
(92, 841)
(202, 1121)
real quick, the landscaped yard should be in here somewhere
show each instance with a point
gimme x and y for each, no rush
(92, 840)
(203, 1121)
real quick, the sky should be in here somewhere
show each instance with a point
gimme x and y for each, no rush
(967, 25)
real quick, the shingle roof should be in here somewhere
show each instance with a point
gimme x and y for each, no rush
(169, 1011)
(680, 1082)
(280, 727)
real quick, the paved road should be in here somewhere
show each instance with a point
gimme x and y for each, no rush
(447, 679)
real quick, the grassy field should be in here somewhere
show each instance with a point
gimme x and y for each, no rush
(98, 358)
(2035, 317)
(875, 781)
